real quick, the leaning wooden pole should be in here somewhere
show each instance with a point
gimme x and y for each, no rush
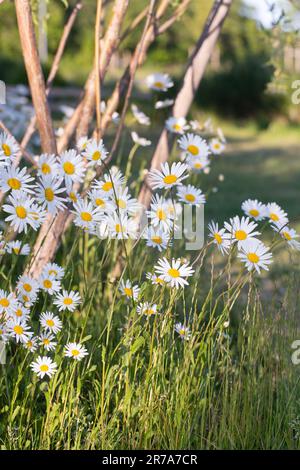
(194, 72)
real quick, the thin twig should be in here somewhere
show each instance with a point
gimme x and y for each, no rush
(97, 67)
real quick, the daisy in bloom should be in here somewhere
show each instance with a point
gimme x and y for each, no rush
(158, 238)
(95, 152)
(194, 146)
(276, 214)
(110, 181)
(49, 284)
(216, 146)
(15, 179)
(46, 340)
(48, 190)
(7, 302)
(255, 255)
(21, 312)
(101, 200)
(159, 81)
(4, 335)
(19, 330)
(160, 215)
(168, 177)
(18, 248)
(76, 351)
(44, 366)
(47, 165)
(121, 226)
(183, 331)
(155, 280)
(174, 273)
(241, 230)
(31, 344)
(190, 195)
(197, 164)
(140, 140)
(127, 289)
(123, 202)
(23, 212)
(52, 269)
(289, 235)
(176, 125)
(28, 289)
(220, 237)
(74, 196)
(67, 300)
(140, 116)
(255, 209)
(86, 215)
(8, 148)
(50, 322)
(163, 104)
(147, 309)
(71, 167)
(82, 143)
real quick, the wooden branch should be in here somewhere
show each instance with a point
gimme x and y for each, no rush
(97, 67)
(194, 72)
(35, 75)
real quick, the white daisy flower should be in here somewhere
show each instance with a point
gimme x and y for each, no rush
(48, 191)
(159, 214)
(194, 146)
(49, 284)
(168, 177)
(101, 200)
(47, 341)
(52, 269)
(129, 290)
(176, 125)
(47, 165)
(163, 104)
(220, 237)
(95, 152)
(18, 248)
(15, 179)
(76, 351)
(159, 81)
(183, 331)
(255, 209)
(28, 289)
(67, 300)
(216, 146)
(121, 226)
(123, 203)
(7, 302)
(147, 309)
(4, 334)
(23, 212)
(19, 330)
(31, 344)
(158, 238)
(71, 167)
(241, 230)
(19, 311)
(82, 143)
(255, 255)
(9, 148)
(50, 322)
(276, 214)
(173, 273)
(289, 235)
(190, 195)
(44, 366)
(141, 117)
(155, 280)
(140, 140)
(111, 181)
(197, 164)
(74, 196)
(86, 215)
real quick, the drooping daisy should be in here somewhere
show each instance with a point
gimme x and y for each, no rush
(129, 290)
(19, 330)
(158, 238)
(95, 152)
(141, 117)
(147, 309)
(276, 214)
(174, 273)
(76, 351)
(71, 167)
(8, 148)
(183, 331)
(67, 300)
(86, 215)
(52, 269)
(176, 125)
(123, 203)
(18, 248)
(155, 280)
(110, 181)
(49, 284)
(48, 194)
(159, 214)
(101, 200)
(289, 235)
(197, 164)
(255, 255)
(31, 344)
(47, 165)
(47, 341)
(159, 81)
(241, 230)
(120, 226)
(50, 322)
(190, 195)
(220, 237)
(4, 334)
(74, 196)
(216, 146)
(44, 366)
(7, 302)
(23, 212)
(194, 146)
(82, 143)
(161, 104)
(15, 179)
(140, 140)
(255, 209)
(167, 177)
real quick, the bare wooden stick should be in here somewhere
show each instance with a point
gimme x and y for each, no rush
(35, 75)
(97, 67)
(194, 72)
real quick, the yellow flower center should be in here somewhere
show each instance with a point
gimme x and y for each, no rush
(4, 302)
(159, 84)
(254, 212)
(6, 150)
(47, 284)
(193, 149)
(253, 257)
(68, 301)
(118, 228)
(49, 194)
(107, 186)
(46, 168)
(96, 155)
(177, 127)
(73, 196)
(173, 272)
(128, 291)
(16, 250)
(217, 146)
(14, 183)
(121, 203)
(240, 235)
(18, 329)
(157, 239)
(170, 179)
(86, 216)
(27, 287)
(149, 311)
(69, 168)
(99, 202)
(161, 214)
(44, 368)
(21, 212)
(274, 217)
(46, 341)
(29, 344)
(74, 352)
(197, 166)
(287, 235)
(50, 322)
(190, 197)
(218, 238)
(52, 272)
(182, 332)
(158, 280)
(18, 313)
